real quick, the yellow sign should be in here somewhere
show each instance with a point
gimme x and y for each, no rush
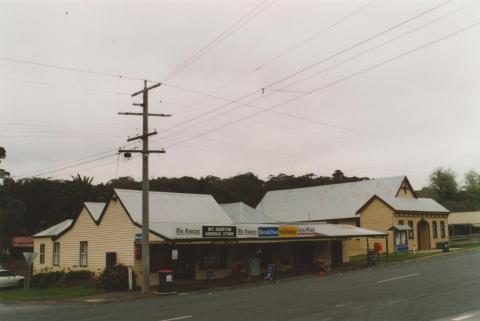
(287, 231)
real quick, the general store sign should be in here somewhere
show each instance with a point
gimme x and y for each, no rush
(287, 231)
(219, 231)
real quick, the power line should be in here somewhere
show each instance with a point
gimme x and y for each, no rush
(238, 100)
(390, 29)
(67, 167)
(32, 82)
(64, 126)
(268, 62)
(59, 67)
(237, 25)
(333, 83)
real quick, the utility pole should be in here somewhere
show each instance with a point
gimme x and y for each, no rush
(145, 186)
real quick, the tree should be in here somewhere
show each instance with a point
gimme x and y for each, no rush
(3, 173)
(443, 184)
(338, 175)
(472, 182)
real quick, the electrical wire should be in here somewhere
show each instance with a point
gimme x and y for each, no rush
(384, 62)
(268, 62)
(409, 19)
(239, 99)
(220, 38)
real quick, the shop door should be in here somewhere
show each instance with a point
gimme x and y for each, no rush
(337, 253)
(185, 264)
(423, 231)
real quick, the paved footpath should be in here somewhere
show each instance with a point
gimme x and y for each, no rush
(437, 288)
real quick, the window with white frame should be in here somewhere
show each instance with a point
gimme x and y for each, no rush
(442, 229)
(56, 253)
(83, 253)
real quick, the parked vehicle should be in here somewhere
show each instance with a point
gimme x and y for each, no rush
(9, 279)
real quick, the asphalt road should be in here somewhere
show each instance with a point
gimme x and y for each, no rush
(437, 288)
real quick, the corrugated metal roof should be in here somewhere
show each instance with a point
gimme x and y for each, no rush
(342, 230)
(327, 201)
(464, 218)
(95, 209)
(55, 229)
(339, 201)
(174, 208)
(242, 213)
(410, 204)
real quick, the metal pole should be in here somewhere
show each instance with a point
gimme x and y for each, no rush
(145, 188)
(386, 245)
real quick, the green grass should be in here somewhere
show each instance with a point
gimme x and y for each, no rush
(47, 294)
(392, 257)
(468, 245)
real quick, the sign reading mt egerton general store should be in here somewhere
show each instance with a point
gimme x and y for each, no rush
(219, 231)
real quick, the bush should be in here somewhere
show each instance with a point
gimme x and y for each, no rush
(61, 279)
(114, 278)
(74, 278)
(47, 280)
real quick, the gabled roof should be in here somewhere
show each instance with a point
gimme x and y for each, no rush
(242, 213)
(173, 207)
(324, 202)
(95, 209)
(56, 229)
(409, 204)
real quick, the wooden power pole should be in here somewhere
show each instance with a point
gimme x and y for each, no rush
(145, 186)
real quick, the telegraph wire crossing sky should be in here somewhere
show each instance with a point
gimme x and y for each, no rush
(375, 88)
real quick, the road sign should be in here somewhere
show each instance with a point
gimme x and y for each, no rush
(29, 257)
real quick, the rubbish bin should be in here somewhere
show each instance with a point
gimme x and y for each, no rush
(165, 281)
(443, 246)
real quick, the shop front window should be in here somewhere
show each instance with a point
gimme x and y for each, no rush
(214, 258)
(434, 229)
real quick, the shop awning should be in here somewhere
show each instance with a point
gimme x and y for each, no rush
(260, 232)
(397, 227)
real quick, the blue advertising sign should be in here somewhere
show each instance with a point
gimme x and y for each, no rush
(401, 248)
(268, 231)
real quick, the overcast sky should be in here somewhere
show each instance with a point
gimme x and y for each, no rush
(367, 107)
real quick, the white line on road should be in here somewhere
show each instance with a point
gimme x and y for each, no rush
(468, 316)
(178, 318)
(399, 277)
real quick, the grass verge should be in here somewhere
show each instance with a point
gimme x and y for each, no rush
(410, 256)
(47, 294)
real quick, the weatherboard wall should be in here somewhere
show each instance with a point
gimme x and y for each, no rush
(37, 241)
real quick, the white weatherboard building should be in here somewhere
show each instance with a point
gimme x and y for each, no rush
(210, 239)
